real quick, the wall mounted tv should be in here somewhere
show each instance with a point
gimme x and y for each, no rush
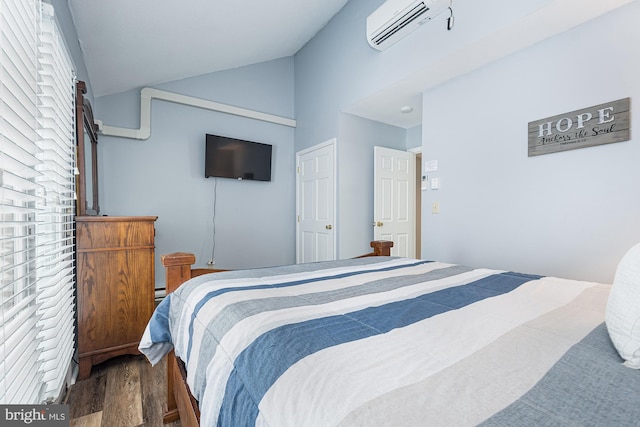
(236, 158)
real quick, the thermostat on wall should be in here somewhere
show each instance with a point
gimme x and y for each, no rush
(431, 166)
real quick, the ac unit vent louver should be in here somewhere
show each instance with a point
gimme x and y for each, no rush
(395, 19)
(387, 31)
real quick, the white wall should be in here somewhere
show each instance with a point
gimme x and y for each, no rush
(570, 214)
(164, 175)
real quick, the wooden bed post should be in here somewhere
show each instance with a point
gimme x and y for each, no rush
(381, 247)
(178, 270)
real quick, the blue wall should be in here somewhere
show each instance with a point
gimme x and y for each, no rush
(65, 21)
(355, 142)
(337, 69)
(571, 214)
(164, 175)
(492, 197)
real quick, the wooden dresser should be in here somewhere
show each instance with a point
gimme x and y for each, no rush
(116, 285)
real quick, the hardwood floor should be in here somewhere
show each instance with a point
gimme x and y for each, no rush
(122, 392)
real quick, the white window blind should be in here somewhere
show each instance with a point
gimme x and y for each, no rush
(37, 156)
(55, 216)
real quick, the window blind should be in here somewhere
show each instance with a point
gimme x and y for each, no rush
(36, 204)
(55, 213)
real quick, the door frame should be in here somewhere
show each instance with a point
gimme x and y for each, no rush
(417, 151)
(329, 143)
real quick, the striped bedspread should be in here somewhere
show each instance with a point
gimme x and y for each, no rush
(387, 341)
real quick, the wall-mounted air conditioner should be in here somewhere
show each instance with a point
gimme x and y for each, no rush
(395, 19)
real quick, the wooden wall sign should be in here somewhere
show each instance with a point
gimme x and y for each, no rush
(597, 125)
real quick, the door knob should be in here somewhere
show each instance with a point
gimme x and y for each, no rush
(328, 227)
(378, 224)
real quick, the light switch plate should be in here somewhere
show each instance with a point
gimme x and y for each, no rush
(435, 183)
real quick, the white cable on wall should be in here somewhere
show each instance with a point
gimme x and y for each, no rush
(148, 93)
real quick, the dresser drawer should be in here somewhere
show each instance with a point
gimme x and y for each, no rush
(114, 232)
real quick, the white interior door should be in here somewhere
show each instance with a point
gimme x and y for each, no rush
(315, 183)
(394, 199)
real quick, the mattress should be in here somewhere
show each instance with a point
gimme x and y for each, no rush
(391, 341)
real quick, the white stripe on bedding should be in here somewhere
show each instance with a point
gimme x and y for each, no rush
(493, 377)
(461, 332)
(264, 321)
(252, 327)
(214, 283)
(211, 309)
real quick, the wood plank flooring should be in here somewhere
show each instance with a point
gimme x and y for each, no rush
(122, 392)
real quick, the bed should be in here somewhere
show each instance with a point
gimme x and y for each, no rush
(389, 341)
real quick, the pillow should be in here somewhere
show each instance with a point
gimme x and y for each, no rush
(622, 315)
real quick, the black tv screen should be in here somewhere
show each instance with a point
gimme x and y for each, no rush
(236, 158)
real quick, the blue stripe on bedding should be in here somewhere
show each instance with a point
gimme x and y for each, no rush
(601, 392)
(258, 367)
(223, 291)
(159, 328)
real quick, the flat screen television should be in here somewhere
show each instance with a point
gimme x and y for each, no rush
(237, 158)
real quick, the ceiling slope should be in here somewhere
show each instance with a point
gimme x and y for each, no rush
(129, 44)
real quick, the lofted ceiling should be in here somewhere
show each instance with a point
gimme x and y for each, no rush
(133, 43)
(129, 44)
